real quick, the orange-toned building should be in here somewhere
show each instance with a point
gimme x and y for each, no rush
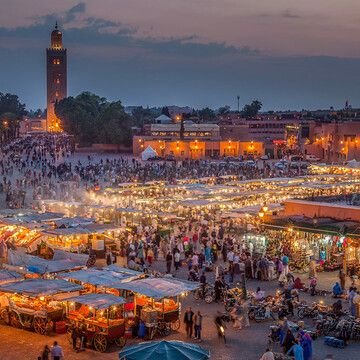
(195, 141)
(336, 141)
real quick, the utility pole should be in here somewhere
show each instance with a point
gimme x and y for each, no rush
(238, 103)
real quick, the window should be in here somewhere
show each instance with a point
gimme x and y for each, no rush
(57, 94)
(56, 61)
(57, 81)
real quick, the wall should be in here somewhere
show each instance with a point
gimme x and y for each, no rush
(318, 209)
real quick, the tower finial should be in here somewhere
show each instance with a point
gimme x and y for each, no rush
(56, 25)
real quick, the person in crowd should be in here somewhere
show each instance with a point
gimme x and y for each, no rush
(285, 264)
(306, 344)
(259, 294)
(342, 278)
(313, 283)
(296, 350)
(203, 283)
(198, 325)
(298, 284)
(337, 290)
(169, 259)
(268, 355)
(218, 288)
(45, 354)
(189, 321)
(56, 352)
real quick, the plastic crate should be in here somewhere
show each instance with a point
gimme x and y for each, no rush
(334, 342)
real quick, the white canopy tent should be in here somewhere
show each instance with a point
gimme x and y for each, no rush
(148, 153)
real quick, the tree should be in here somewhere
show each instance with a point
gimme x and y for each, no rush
(206, 115)
(11, 113)
(251, 110)
(143, 116)
(165, 111)
(92, 119)
(224, 110)
(10, 103)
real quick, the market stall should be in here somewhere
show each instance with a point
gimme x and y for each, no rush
(35, 304)
(156, 300)
(98, 319)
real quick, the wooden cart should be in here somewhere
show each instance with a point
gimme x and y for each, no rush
(97, 319)
(34, 304)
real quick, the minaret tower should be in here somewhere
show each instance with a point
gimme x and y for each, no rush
(56, 78)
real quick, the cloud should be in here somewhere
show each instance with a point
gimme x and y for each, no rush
(289, 14)
(286, 14)
(81, 30)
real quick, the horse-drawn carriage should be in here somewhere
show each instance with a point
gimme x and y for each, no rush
(34, 304)
(96, 320)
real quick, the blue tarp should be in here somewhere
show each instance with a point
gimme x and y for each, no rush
(8, 276)
(98, 301)
(164, 350)
(62, 261)
(40, 287)
(159, 288)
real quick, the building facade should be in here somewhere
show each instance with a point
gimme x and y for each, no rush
(336, 141)
(194, 141)
(275, 133)
(56, 77)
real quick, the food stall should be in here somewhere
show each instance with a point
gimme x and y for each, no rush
(99, 318)
(35, 304)
(157, 300)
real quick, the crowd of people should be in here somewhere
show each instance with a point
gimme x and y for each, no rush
(41, 165)
(38, 165)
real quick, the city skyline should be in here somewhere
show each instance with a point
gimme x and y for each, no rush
(288, 55)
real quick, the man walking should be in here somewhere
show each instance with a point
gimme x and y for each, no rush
(198, 324)
(188, 321)
(168, 262)
(56, 352)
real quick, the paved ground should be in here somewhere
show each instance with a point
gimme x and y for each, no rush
(246, 344)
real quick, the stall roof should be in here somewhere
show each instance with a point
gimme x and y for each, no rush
(194, 203)
(98, 301)
(159, 288)
(110, 279)
(40, 287)
(100, 228)
(123, 270)
(62, 261)
(66, 231)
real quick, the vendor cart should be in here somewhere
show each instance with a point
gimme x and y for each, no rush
(96, 320)
(34, 304)
(157, 302)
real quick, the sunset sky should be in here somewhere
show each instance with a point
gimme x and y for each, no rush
(288, 54)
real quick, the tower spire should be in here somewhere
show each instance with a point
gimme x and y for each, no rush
(56, 25)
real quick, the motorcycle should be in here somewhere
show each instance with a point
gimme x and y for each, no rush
(264, 312)
(207, 294)
(310, 311)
